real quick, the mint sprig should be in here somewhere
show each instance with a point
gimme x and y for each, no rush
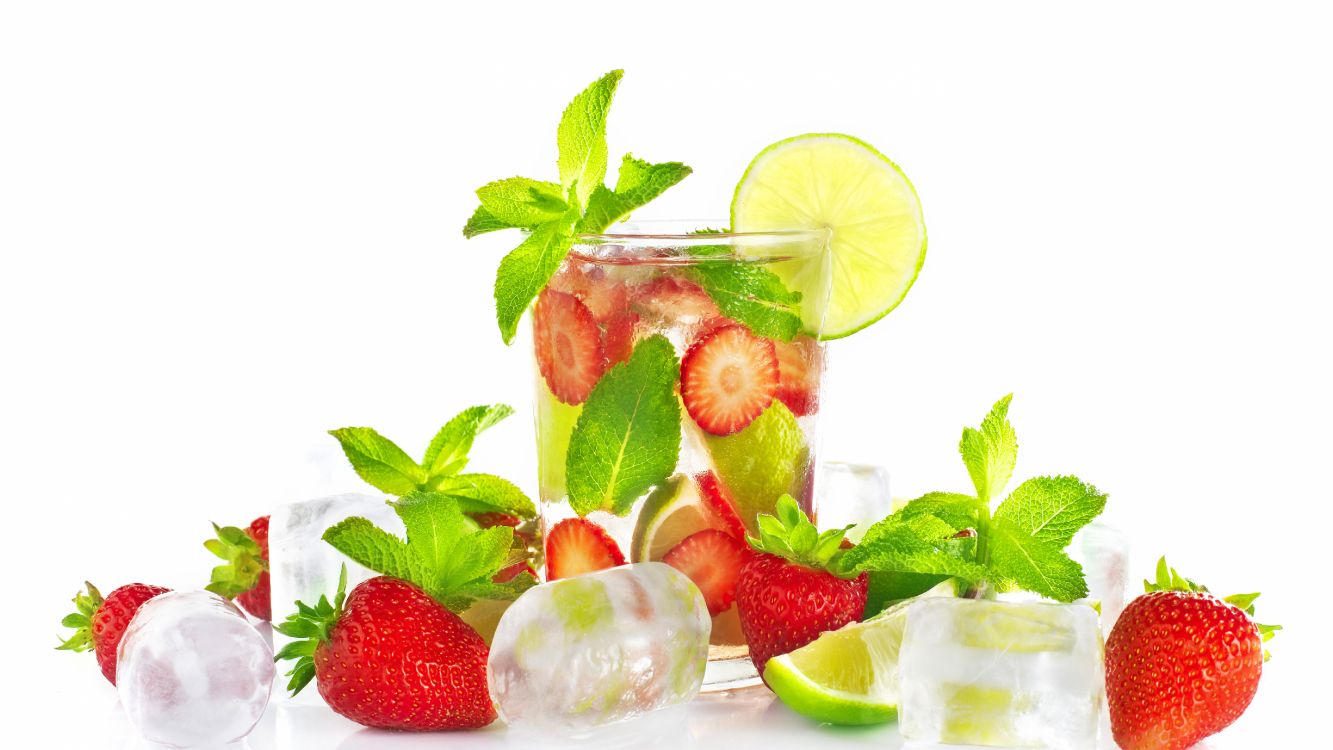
(627, 438)
(385, 466)
(753, 295)
(553, 213)
(445, 554)
(950, 534)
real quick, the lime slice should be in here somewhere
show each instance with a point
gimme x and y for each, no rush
(849, 675)
(672, 512)
(555, 425)
(836, 182)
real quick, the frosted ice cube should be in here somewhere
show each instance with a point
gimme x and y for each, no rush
(303, 567)
(192, 671)
(1001, 674)
(851, 494)
(1103, 551)
(581, 652)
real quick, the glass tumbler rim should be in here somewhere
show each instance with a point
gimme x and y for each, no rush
(670, 242)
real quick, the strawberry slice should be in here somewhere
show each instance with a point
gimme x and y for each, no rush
(718, 499)
(674, 299)
(603, 296)
(728, 378)
(569, 346)
(576, 546)
(799, 366)
(505, 575)
(713, 560)
(620, 337)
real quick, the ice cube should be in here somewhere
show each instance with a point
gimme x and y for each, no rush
(851, 495)
(303, 567)
(581, 652)
(1103, 551)
(192, 671)
(1001, 674)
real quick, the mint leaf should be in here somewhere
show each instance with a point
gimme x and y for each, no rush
(628, 437)
(752, 295)
(521, 202)
(909, 545)
(581, 137)
(444, 553)
(447, 452)
(890, 586)
(372, 548)
(1034, 564)
(525, 270)
(638, 183)
(991, 452)
(484, 221)
(483, 493)
(959, 511)
(378, 461)
(1051, 509)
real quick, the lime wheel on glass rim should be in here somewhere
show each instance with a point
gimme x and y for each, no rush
(843, 185)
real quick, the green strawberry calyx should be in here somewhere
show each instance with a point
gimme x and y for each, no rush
(244, 561)
(86, 605)
(789, 534)
(310, 627)
(1168, 579)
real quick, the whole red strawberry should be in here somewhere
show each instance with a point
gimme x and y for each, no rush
(390, 656)
(794, 589)
(244, 577)
(1181, 664)
(100, 623)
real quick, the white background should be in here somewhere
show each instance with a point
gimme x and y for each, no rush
(227, 228)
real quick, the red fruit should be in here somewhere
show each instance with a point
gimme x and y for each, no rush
(397, 659)
(718, 499)
(728, 378)
(619, 339)
(100, 623)
(493, 518)
(576, 546)
(784, 605)
(603, 297)
(244, 576)
(1180, 666)
(799, 368)
(713, 560)
(256, 601)
(513, 571)
(673, 299)
(568, 346)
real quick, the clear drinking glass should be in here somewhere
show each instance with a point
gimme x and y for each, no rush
(742, 314)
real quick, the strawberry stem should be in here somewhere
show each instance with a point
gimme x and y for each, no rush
(310, 627)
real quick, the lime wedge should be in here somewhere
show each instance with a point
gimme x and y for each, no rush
(762, 462)
(672, 512)
(837, 182)
(849, 675)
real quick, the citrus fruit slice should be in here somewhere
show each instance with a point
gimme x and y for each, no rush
(838, 183)
(764, 461)
(849, 675)
(672, 512)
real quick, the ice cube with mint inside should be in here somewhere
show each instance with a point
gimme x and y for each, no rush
(1001, 674)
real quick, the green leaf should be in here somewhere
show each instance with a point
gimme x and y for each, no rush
(991, 452)
(483, 493)
(1052, 509)
(372, 547)
(484, 221)
(244, 562)
(959, 511)
(627, 438)
(521, 202)
(581, 137)
(901, 545)
(525, 271)
(378, 461)
(309, 626)
(752, 295)
(86, 605)
(638, 183)
(447, 453)
(1034, 564)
